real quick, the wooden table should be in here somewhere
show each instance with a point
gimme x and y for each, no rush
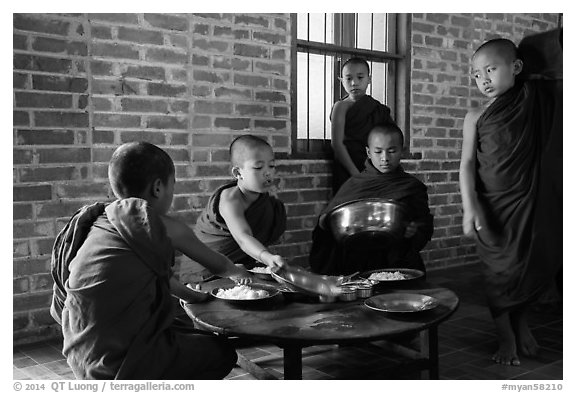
(295, 325)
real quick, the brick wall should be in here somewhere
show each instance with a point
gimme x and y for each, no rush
(190, 83)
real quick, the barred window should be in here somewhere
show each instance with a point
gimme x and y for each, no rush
(322, 43)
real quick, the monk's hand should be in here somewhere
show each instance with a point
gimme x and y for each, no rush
(411, 229)
(277, 261)
(195, 294)
(240, 276)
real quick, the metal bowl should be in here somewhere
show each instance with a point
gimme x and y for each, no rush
(368, 217)
(306, 282)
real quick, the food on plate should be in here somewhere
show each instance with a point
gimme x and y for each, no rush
(242, 292)
(387, 276)
(261, 270)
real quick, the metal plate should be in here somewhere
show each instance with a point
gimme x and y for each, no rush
(272, 291)
(409, 274)
(262, 275)
(401, 302)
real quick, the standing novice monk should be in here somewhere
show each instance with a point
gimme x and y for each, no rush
(241, 219)
(510, 178)
(383, 177)
(352, 119)
(113, 280)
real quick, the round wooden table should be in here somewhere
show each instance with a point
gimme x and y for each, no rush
(294, 325)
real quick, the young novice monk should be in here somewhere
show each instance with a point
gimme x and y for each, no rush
(383, 178)
(241, 219)
(113, 279)
(510, 178)
(352, 119)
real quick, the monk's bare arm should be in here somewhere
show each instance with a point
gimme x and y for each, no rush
(337, 128)
(185, 240)
(468, 174)
(232, 210)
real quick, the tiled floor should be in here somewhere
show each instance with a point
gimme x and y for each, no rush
(467, 341)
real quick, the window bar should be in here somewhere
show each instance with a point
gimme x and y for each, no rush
(308, 88)
(372, 48)
(356, 31)
(324, 106)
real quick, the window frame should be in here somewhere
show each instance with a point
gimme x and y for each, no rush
(398, 81)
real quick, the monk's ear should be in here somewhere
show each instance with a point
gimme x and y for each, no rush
(518, 65)
(156, 188)
(367, 151)
(236, 172)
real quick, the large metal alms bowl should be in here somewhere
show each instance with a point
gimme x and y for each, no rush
(368, 217)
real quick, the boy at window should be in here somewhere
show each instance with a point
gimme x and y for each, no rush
(383, 177)
(112, 267)
(511, 181)
(241, 218)
(352, 119)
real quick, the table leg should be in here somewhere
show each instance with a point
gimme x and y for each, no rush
(293, 362)
(429, 349)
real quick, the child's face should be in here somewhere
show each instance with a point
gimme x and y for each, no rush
(493, 73)
(257, 172)
(355, 79)
(165, 199)
(384, 151)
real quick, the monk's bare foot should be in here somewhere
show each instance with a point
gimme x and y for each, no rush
(527, 344)
(507, 352)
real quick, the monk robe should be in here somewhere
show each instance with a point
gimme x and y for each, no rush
(329, 256)
(118, 309)
(519, 185)
(266, 217)
(361, 117)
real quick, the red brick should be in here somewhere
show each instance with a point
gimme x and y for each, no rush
(116, 18)
(42, 63)
(140, 36)
(63, 155)
(164, 55)
(269, 38)
(167, 90)
(116, 120)
(212, 107)
(143, 105)
(167, 122)
(38, 23)
(20, 118)
(208, 76)
(34, 301)
(187, 187)
(71, 48)
(271, 124)
(251, 109)
(20, 81)
(272, 96)
(102, 32)
(38, 100)
(19, 41)
(101, 68)
(212, 170)
(210, 45)
(232, 123)
(168, 22)
(114, 50)
(59, 83)
(41, 192)
(157, 138)
(20, 285)
(200, 60)
(251, 20)
(251, 51)
(28, 175)
(144, 72)
(227, 92)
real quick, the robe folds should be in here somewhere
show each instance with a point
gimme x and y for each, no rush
(118, 310)
(361, 117)
(519, 185)
(329, 256)
(266, 217)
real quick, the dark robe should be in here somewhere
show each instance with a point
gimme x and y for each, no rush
(329, 256)
(118, 310)
(361, 117)
(519, 185)
(266, 217)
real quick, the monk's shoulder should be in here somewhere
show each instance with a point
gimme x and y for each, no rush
(473, 114)
(231, 198)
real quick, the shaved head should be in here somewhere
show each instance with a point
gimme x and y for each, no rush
(502, 47)
(135, 166)
(386, 129)
(242, 146)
